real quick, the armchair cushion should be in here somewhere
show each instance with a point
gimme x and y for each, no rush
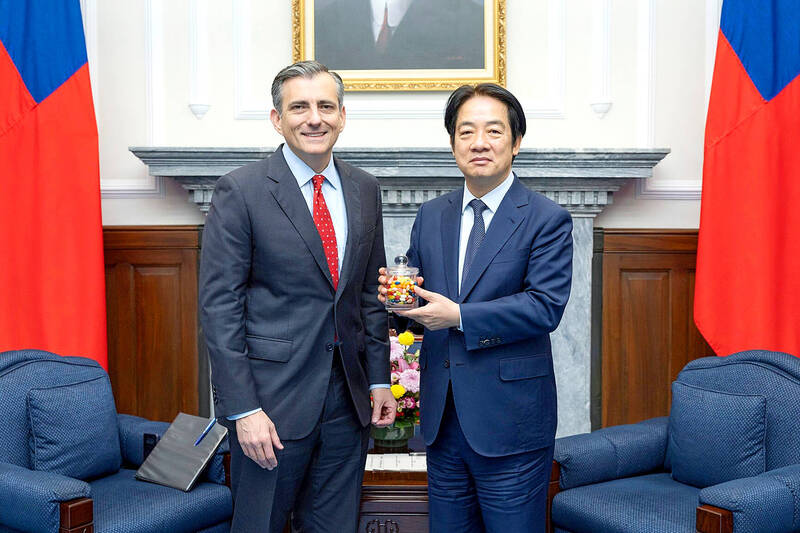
(123, 503)
(29, 499)
(767, 503)
(715, 436)
(611, 453)
(74, 429)
(652, 503)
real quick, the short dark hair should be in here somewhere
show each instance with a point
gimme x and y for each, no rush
(303, 69)
(516, 115)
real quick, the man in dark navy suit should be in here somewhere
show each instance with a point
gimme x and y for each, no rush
(496, 259)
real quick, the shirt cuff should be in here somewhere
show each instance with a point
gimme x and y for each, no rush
(460, 323)
(380, 386)
(242, 415)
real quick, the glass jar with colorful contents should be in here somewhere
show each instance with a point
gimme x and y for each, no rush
(400, 287)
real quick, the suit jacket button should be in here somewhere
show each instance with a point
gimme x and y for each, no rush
(447, 363)
(329, 346)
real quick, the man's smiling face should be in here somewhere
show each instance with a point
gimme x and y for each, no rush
(482, 143)
(310, 119)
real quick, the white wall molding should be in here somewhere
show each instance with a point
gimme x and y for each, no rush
(673, 189)
(154, 70)
(601, 57)
(147, 186)
(646, 73)
(688, 188)
(199, 103)
(386, 106)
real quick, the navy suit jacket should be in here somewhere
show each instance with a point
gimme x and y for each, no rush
(268, 308)
(501, 366)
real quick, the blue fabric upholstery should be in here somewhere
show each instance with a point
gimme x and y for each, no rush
(29, 499)
(715, 436)
(122, 503)
(222, 527)
(653, 503)
(21, 371)
(74, 429)
(774, 375)
(131, 436)
(768, 503)
(611, 453)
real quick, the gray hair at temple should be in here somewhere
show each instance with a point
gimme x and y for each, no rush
(303, 69)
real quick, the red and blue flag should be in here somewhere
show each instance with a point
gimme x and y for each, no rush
(747, 291)
(52, 286)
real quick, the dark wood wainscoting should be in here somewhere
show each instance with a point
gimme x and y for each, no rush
(151, 295)
(648, 331)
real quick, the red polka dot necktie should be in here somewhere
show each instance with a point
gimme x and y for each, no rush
(322, 218)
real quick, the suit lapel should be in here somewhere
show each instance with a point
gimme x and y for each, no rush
(288, 195)
(451, 230)
(504, 222)
(352, 201)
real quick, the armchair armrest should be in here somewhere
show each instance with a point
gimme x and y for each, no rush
(132, 430)
(32, 499)
(611, 453)
(767, 503)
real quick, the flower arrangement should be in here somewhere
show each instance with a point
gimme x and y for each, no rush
(405, 377)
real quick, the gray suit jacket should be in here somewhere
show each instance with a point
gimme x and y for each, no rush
(267, 304)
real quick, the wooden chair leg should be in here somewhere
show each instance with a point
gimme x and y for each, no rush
(226, 462)
(77, 516)
(552, 489)
(712, 519)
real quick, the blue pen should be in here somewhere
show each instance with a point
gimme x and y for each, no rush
(205, 431)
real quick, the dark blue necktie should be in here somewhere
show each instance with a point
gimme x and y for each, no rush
(476, 236)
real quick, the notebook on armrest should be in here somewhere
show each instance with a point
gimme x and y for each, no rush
(175, 461)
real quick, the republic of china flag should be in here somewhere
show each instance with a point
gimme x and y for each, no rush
(747, 292)
(52, 288)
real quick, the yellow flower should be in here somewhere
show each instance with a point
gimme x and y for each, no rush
(406, 338)
(398, 391)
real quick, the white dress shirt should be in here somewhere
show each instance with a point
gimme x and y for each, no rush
(396, 11)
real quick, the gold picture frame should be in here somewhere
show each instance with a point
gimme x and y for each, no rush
(398, 73)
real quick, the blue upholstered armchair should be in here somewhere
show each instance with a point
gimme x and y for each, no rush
(726, 459)
(67, 459)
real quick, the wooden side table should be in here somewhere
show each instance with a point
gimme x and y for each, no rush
(394, 502)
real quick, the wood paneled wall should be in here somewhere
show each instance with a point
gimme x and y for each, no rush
(648, 331)
(151, 295)
(646, 334)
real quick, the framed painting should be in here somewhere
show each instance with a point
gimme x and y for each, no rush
(401, 45)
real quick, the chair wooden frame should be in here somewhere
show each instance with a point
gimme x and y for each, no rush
(710, 519)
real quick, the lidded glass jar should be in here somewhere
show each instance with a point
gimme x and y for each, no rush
(402, 279)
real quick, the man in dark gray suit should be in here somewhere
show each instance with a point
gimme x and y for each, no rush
(287, 304)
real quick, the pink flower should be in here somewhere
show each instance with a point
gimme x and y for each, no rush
(409, 402)
(402, 364)
(395, 349)
(414, 365)
(410, 380)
